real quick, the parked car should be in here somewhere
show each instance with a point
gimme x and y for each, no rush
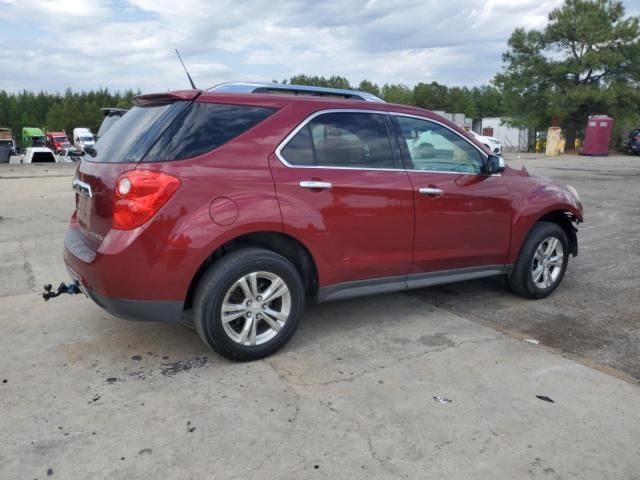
(57, 141)
(493, 144)
(633, 144)
(82, 138)
(111, 116)
(70, 154)
(237, 208)
(38, 155)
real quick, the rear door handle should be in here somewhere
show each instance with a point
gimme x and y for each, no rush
(431, 191)
(316, 185)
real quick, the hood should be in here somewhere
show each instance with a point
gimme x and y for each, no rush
(557, 194)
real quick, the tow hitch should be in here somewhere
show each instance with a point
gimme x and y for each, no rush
(72, 288)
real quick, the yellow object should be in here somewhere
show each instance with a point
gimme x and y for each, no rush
(555, 143)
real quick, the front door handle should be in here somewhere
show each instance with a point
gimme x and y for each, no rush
(431, 191)
(316, 185)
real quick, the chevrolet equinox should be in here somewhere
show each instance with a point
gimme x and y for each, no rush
(241, 203)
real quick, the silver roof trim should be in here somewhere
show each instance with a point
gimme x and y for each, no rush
(249, 87)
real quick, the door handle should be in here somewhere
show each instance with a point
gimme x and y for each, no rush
(431, 191)
(316, 185)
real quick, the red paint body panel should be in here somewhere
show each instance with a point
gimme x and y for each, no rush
(370, 224)
(361, 228)
(468, 226)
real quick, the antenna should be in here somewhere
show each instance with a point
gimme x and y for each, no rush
(193, 85)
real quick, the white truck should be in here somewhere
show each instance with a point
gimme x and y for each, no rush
(82, 137)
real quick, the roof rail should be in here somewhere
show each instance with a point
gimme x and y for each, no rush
(248, 87)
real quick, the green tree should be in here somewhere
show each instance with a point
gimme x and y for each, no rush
(432, 96)
(586, 61)
(488, 101)
(334, 81)
(370, 87)
(397, 94)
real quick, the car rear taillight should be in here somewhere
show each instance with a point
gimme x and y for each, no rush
(138, 195)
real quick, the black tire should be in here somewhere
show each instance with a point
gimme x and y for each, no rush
(219, 279)
(521, 281)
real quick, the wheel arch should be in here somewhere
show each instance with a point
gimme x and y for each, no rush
(281, 243)
(563, 217)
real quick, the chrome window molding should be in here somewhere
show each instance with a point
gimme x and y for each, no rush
(308, 119)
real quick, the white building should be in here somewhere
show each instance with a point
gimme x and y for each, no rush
(513, 139)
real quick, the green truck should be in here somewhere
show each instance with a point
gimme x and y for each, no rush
(32, 137)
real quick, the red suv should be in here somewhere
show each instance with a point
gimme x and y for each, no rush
(241, 206)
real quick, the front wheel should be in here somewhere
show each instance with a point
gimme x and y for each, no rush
(249, 304)
(542, 262)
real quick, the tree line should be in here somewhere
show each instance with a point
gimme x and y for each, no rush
(585, 61)
(55, 111)
(475, 102)
(74, 109)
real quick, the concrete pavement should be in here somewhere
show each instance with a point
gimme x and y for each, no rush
(85, 395)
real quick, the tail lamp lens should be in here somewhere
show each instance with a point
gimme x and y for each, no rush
(138, 195)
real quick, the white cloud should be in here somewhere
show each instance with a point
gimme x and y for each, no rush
(130, 43)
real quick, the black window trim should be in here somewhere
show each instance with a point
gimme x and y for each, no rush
(394, 133)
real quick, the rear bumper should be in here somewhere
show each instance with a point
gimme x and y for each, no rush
(163, 311)
(129, 283)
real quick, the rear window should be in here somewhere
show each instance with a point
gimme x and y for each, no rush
(109, 120)
(175, 131)
(132, 137)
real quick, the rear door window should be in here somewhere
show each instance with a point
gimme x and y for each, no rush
(342, 139)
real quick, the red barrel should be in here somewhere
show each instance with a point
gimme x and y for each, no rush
(597, 136)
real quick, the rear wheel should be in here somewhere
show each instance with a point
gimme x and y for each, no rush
(542, 262)
(249, 304)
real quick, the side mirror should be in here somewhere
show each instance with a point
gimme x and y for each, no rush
(495, 164)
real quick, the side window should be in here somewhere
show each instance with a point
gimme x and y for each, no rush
(356, 140)
(432, 147)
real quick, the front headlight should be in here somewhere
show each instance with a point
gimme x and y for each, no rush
(575, 193)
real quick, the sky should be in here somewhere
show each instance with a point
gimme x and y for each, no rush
(86, 44)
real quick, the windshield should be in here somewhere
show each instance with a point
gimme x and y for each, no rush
(37, 141)
(60, 139)
(86, 138)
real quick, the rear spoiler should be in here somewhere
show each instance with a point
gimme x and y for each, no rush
(179, 95)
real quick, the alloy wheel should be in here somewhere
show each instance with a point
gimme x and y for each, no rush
(255, 308)
(547, 262)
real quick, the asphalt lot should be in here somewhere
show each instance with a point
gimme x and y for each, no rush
(86, 395)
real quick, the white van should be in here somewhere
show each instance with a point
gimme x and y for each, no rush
(82, 137)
